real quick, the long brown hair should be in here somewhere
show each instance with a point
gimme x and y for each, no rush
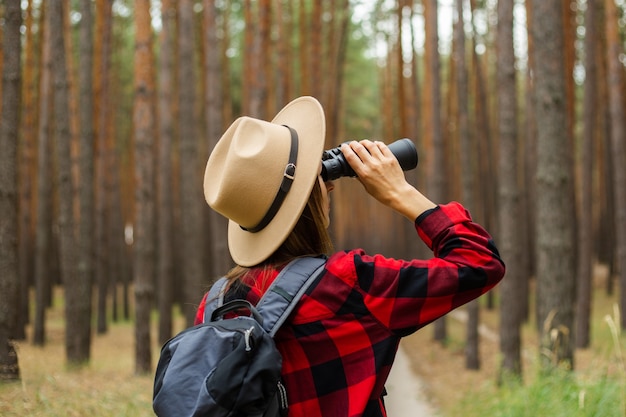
(309, 237)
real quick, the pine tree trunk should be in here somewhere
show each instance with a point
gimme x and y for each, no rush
(510, 241)
(9, 126)
(220, 260)
(165, 299)
(304, 45)
(86, 178)
(191, 219)
(530, 164)
(468, 170)
(432, 123)
(618, 147)
(43, 214)
(102, 51)
(143, 133)
(585, 225)
(555, 200)
(76, 341)
(340, 20)
(27, 174)
(266, 63)
(605, 235)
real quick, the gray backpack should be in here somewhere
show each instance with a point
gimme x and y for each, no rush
(230, 367)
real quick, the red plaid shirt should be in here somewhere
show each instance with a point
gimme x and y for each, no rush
(341, 340)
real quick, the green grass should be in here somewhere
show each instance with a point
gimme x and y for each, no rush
(558, 394)
(598, 391)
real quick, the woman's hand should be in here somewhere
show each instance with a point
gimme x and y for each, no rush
(380, 173)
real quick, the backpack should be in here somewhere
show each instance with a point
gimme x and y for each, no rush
(230, 367)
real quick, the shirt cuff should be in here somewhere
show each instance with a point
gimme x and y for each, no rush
(425, 214)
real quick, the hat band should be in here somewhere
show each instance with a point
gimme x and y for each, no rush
(285, 185)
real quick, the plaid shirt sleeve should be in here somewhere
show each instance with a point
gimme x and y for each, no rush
(406, 295)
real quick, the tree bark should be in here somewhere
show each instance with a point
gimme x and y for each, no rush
(304, 45)
(510, 241)
(43, 214)
(86, 177)
(339, 41)
(529, 161)
(585, 216)
(27, 174)
(143, 133)
(191, 186)
(220, 260)
(432, 123)
(555, 200)
(255, 80)
(605, 234)
(76, 343)
(164, 173)
(9, 131)
(618, 148)
(101, 65)
(468, 171)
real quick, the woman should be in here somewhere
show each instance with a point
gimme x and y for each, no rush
(339, 344)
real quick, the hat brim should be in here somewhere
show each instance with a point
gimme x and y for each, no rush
(306, 116)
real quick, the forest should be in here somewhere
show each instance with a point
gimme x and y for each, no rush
(110, 109)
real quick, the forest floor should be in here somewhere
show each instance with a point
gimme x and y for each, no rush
(449, 387)
(109, 386)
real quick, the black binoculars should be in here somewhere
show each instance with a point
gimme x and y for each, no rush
(334, 164)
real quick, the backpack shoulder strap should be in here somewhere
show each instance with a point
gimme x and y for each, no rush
(285, 291)
(215, 298)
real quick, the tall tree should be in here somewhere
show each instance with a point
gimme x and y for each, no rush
(143, 134)
(43, 216)
(101, 91)
(315, 50)
(227, 96)
(284, 64)
(585, 159)
(338, 43)
(116, 245)
(254, 82)
(266, 61)
(248, 63)
(190, 184)
(214, 101)
(508, 195)
(164, 173)
(482, 125)
(304, 26)
(413, 247)
(529, 160)
(401, 92)
(76, 339)
(27, 170)
(555, 200)
(86, 176)
(432, 121)
(468, 171)
(9, 131)
(618, 147)
(605, 234)
(414, 84)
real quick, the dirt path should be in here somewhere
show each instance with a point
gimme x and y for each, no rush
(405, 393)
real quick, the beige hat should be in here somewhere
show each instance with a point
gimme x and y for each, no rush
(260, 175)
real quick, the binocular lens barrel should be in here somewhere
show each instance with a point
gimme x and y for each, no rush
(334, 164)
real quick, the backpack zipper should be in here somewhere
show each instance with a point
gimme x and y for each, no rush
(247, 335)
(283, 403)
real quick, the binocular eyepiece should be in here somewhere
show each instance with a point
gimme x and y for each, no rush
(334, 164)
